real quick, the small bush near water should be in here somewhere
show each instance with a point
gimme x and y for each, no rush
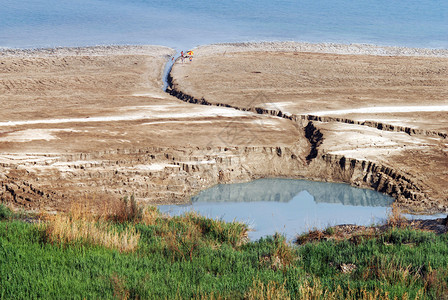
(5, 212)
(192, 257)
(126, 210)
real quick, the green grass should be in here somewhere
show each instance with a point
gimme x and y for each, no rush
(194, 257)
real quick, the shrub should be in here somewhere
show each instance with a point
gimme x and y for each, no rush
(283, 252)
(184, 241)
(5, 212)
(150, 215)
(395, 217)
(330, 231)
(436, 283)
(80, 226)
(234, 233)
(127, 211)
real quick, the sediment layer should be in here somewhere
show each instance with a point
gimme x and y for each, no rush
(156, 175)
(99, 126)
(94, 123)
(278, 113)
(339, 168)
(405, 161)
(380, 126)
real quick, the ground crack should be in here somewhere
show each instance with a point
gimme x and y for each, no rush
(379, 126)
(315, 137)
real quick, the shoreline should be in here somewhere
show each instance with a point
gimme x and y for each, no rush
(87, 50)
(270, 46)
(327, 48)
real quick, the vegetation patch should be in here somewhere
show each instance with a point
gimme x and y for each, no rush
(142, 254)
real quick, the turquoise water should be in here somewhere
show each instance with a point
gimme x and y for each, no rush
(186, 24)
(288, 206)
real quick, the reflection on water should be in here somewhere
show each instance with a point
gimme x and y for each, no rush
(284, 190)
(287, 206)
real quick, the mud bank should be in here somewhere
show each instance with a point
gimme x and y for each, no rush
(108, 130)
(93, 123)
(153, 175)
(399, 152)
(337, 168)
(278, 113)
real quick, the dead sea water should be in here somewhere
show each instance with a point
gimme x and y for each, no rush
(186, 24)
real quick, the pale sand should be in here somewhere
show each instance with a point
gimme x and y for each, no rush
(277, 76)
(151, 95)
(147, 113)
(33, 134)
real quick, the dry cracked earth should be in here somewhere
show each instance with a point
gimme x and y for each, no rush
(94, 123)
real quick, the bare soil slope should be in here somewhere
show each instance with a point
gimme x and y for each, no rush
(380, 112)
(94, 123)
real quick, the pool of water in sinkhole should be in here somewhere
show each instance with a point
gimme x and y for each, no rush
(287, 206)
